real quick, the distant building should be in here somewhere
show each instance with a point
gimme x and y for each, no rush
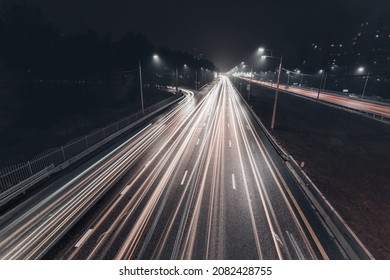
(367, 45)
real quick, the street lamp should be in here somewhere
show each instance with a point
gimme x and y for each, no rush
(155, 58)
(280, 57)
(361, 70)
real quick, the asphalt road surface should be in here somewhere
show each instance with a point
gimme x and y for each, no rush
(200, 181)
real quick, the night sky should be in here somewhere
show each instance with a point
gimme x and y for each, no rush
(225, 31)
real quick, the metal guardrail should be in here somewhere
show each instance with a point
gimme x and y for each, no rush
(348, 240)
(28, 173)
(13, 192)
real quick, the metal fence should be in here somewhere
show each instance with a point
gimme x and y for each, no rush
(12, 175)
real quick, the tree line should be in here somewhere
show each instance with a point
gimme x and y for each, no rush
(31, 48)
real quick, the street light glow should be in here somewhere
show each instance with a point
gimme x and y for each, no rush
(360, 69)
(155, 57)
(261, 50)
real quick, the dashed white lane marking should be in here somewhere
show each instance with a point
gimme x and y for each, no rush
(85, 236)
(234, 182)
(230, 143)
(197, 143)
(184, 178)
(125, 190)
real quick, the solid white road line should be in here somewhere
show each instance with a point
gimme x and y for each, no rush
(184, 178)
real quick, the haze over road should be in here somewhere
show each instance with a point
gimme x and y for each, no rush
(201, 181)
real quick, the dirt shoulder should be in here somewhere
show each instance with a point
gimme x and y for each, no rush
(345, 154)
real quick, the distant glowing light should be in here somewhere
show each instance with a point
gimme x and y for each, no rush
(155, 57)
(261, 50)
(360, 69)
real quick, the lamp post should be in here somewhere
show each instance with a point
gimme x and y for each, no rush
(319, 87)
(276, 93)
(155, 57)
(140, 84)
(250, 84)
(278, 80)
(361, 70)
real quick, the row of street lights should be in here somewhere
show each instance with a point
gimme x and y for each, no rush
(156, 59)
(278, 56)
(268, 53)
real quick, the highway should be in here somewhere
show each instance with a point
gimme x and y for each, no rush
(357, 104)
(200, 181)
